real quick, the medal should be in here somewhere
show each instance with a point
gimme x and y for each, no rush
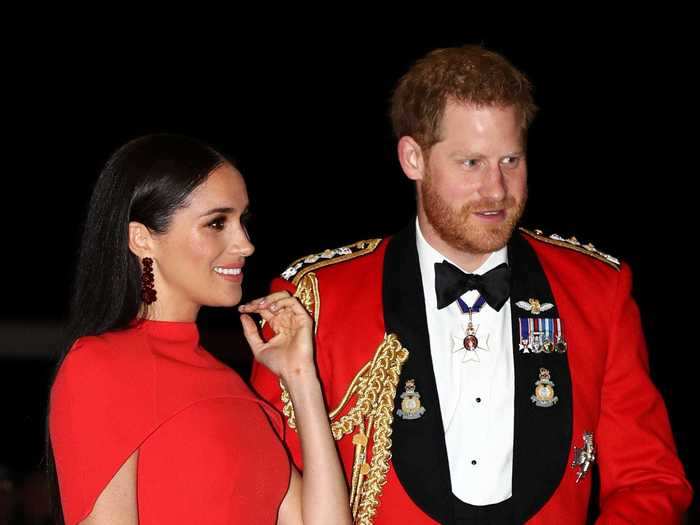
(524, 346)
(410, 402)
(548, 341)
(541, 335)
(460, 342)
(470, 342)
(559, 344)
(544, 391)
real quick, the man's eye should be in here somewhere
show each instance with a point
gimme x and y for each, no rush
(470, 163)
(511, 161)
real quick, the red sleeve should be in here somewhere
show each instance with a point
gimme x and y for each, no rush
(642, 479)
(92, 431)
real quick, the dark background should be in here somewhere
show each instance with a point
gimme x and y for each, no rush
(612, 158)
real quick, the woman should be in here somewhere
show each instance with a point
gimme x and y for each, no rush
(146, 426)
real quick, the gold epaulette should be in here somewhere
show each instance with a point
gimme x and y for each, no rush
(312, 262)
(572, 243)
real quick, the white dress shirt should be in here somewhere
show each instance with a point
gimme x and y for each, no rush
(476, 388)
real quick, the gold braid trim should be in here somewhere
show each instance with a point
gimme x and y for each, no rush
(372, 415)
(369, 386)
(309, 263)
(389, 371)
(307, 293)
(288, 407)
(356, 385)
(572, 243)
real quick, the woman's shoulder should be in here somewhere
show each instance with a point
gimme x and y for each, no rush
(119, 348)
(105, 364)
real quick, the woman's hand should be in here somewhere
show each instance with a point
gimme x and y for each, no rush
(321, 497)
(290, 351)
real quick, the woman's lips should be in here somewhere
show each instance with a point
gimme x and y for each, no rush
(230, 273)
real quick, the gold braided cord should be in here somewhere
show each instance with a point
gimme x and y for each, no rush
(307, 293)
(372, 415)
(390, 370)
(358, 383)
(370, 387)
(359, 459)
(288, 407)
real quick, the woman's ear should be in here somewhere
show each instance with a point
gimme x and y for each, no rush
(140, 240)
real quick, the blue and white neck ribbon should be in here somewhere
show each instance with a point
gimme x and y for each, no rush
(478, 304)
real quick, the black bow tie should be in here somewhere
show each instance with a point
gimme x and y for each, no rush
(451, 283)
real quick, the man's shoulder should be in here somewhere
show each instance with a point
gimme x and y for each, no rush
(348, 258)
(568, 249)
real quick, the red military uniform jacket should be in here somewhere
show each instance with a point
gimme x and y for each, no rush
(372, 336)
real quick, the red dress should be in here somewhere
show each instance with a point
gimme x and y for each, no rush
(209, 450)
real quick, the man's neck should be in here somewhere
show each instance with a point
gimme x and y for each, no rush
(467, 261)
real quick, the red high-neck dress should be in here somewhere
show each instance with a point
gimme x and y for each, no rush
(209, 449)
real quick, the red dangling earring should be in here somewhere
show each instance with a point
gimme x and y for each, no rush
(148, 291)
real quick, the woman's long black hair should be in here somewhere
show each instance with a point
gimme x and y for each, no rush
(146, 181)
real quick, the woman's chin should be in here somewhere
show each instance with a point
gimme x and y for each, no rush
(225, 301)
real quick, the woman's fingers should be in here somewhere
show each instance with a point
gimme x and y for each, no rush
(250, 331)
(266, 314)
(277, 305)
(263, 302)
(287, 302)
(291, 345)
(279, 309)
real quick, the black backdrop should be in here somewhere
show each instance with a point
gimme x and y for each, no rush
(611, 160)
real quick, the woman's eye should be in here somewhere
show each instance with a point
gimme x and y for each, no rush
(218, 223)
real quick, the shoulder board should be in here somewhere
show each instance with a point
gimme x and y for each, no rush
(327, 257)
(572, 243)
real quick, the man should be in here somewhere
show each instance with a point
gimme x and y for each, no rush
(475, 373)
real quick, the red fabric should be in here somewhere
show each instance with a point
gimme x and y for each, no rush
(642, 480)
(209, 450)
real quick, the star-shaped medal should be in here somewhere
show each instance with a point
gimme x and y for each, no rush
(469, 343)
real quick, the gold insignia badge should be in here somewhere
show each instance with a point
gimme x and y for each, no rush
(544, 390)
(534, 306)
(410, 402)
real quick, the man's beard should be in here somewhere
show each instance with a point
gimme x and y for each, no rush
(459, 229)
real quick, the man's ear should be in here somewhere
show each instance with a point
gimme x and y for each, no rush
(411, 158)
